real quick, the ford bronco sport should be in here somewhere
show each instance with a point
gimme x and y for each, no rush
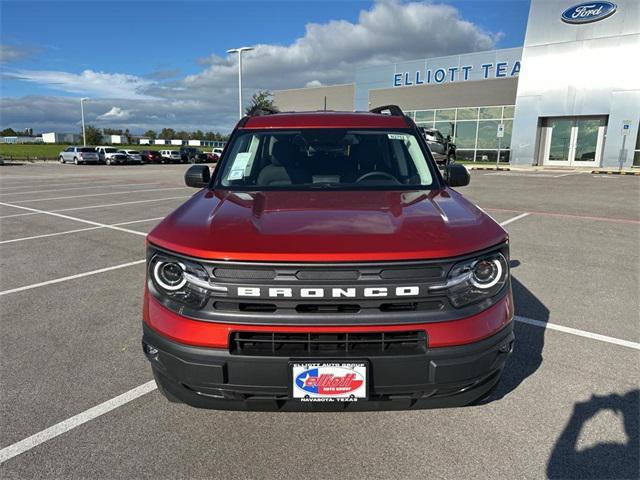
(327, 263)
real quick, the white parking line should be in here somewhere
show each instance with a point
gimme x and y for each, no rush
(78, 230)
(82, 208)
(87, 187)
(71, 277)
(97, 194)
(75, 421)
(580, 333)
(67, 217)
(517, 217)
(105, 407)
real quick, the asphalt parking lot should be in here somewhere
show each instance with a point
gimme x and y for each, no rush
(71, 257)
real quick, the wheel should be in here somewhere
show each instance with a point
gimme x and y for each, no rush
(75, 160)
(61, 159)
(108, 161)
(192, 160)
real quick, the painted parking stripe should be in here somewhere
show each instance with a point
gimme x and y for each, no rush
(76, 219)
(568, 215)
(97, 195)
(104, 205)
(75, 421)
(72, 277)
(66, 232)
(47, 183)
(137, 392)
(578, 332)
(517, 217)
(91, 186)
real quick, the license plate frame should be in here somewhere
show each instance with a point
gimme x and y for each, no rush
(341, 389)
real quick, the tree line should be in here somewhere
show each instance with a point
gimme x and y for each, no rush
(94, 135)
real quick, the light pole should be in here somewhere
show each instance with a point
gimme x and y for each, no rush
(239, 51)
(84, 135)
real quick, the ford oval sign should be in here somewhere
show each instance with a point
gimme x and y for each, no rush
(588, 12)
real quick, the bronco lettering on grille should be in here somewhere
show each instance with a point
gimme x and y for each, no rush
(348, 292)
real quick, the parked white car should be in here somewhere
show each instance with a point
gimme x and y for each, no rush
(171, 155)
(111, 155)
(78, 155)
(133, 156)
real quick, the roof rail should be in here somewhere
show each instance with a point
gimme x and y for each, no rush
(259, 111)
(392, 109)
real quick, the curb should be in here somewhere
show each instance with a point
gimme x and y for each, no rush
(499, 169)
(614, 172)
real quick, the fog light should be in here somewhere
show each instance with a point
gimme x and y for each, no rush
(150, 349)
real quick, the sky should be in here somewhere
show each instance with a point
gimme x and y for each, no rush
(155, 64)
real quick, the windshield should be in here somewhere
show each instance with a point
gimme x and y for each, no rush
(110, 150)
(326, 158)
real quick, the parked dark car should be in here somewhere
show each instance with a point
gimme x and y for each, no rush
(442, 148)
(192, 155)
(152, 156)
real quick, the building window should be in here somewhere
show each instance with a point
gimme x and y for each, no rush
(448, 114)
(636, 153)
(446, 128)
(466, 134)
(490, 112)
(474, 130)
(508, 112)
(467, 114)
(425, 116)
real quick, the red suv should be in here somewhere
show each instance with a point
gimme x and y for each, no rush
(327, 263)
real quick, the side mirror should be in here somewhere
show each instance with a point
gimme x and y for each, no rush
(198, 176)
(456, 175)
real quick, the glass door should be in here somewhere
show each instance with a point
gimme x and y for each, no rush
(573, 141)
(588, 140)
(560, 144)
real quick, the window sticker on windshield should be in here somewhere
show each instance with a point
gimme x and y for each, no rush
(241, 160)
(236, 174)
(239, 165)
(396, 136)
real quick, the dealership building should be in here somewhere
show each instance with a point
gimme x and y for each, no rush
(570, 96)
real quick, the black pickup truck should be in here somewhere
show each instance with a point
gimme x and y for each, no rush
(443, 149)
(192, 155)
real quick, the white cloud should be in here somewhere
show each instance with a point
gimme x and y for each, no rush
(327, 53)
(313, 83)
(88, 82)
(13, 53)
(116, 113)
(330, 52)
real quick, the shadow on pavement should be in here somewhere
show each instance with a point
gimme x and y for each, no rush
(604, 460)
(527, 353)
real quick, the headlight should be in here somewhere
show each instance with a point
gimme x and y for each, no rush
(180, 280)
(476, 279)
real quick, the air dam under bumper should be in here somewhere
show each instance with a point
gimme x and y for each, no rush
(441, 377)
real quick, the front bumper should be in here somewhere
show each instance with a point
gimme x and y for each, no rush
(440, 377)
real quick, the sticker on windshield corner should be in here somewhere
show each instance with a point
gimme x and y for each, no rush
(329, 382)
(396, 136)
(236, 174)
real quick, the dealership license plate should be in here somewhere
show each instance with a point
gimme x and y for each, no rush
(329, 381)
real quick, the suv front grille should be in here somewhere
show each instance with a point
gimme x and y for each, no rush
(327, 344)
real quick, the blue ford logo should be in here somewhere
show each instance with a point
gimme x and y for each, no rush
(588, 12)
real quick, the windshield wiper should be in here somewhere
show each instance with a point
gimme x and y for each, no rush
(324, 185)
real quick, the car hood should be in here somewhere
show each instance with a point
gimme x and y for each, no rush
(327, 226)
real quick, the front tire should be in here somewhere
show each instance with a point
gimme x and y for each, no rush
(108, 161)
(61, 159)
(75, 160)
